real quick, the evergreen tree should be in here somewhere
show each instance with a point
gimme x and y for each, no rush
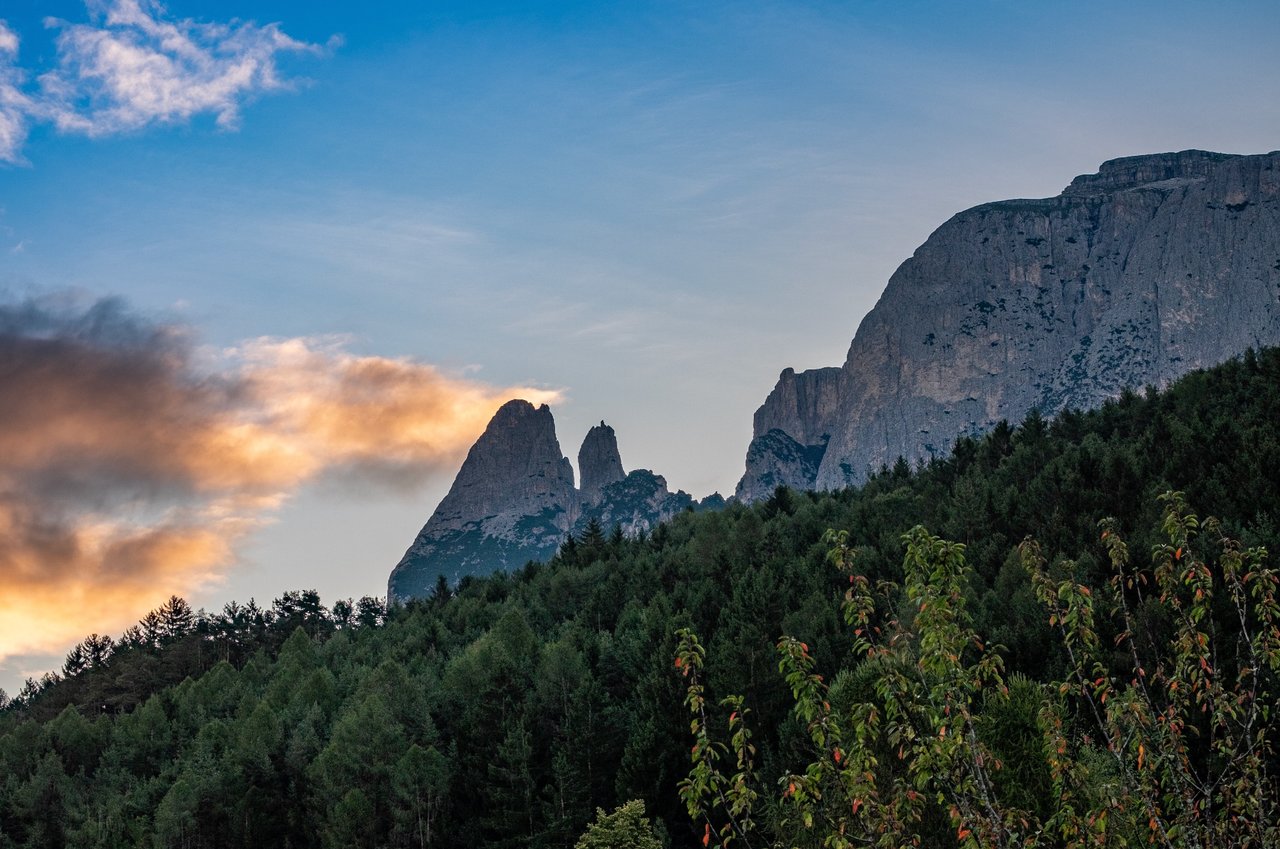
(174, 619)
(591, 541)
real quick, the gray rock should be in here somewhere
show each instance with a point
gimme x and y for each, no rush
(512, 501)
(1153, 267)
(774, 459)
(801, 404)
(599, 462)
(791, 429)
(637, 503)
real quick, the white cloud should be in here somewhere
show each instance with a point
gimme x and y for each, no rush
(14, 105)
(8, 40)
(130, 68)
(134, 69)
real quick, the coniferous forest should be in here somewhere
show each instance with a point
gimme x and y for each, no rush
(507, 711)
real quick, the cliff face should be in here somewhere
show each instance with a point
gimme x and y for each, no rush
(1153, 267)
(792, 429)
(599, 462)
(514, 501)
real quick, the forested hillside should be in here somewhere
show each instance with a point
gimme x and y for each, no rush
(505, 711)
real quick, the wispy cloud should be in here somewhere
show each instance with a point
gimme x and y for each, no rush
(133, 463)
(130, 67)
(15, 107)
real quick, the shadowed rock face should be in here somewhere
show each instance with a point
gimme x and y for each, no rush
(791, 428)
(1153, 267)
(637, 504)
(599, 462)
(514, 501)
(774, 459)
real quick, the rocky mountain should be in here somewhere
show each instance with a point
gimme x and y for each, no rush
(514, 501)
(599, 462)
(1153, 267)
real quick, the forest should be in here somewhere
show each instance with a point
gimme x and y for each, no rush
(727, 669)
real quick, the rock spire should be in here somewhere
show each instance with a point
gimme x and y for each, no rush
(599, 462)
(514, 501)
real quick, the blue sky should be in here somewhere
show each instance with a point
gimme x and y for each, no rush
(648, 209)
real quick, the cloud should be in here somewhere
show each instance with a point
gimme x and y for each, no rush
(132, 462)
(14, 105)
(63, 576)
(131, 68)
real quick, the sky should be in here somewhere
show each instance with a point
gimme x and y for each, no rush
(268, 266)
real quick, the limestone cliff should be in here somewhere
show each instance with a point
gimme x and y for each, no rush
(599, 462)
(1152, 267)
(512, 501)
(792, 428)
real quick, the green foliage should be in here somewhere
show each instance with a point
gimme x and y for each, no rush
(625, 828)
(707, 790)
(1186, 726)
(1170, 744)
(889, 759)
(420, 780)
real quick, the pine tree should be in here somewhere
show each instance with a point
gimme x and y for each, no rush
(175, 619)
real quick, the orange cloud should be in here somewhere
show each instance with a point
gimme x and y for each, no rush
(388, 419)
(59, 581)
(128, 474)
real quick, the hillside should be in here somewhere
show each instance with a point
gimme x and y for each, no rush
(505, 712)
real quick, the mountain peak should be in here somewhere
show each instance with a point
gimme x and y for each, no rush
(513, 501)
(599, 463)
(515, 489)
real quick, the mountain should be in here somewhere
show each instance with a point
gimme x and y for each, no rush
(514, 500)
(1153, 267)
(637, 504)
(599, 462)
